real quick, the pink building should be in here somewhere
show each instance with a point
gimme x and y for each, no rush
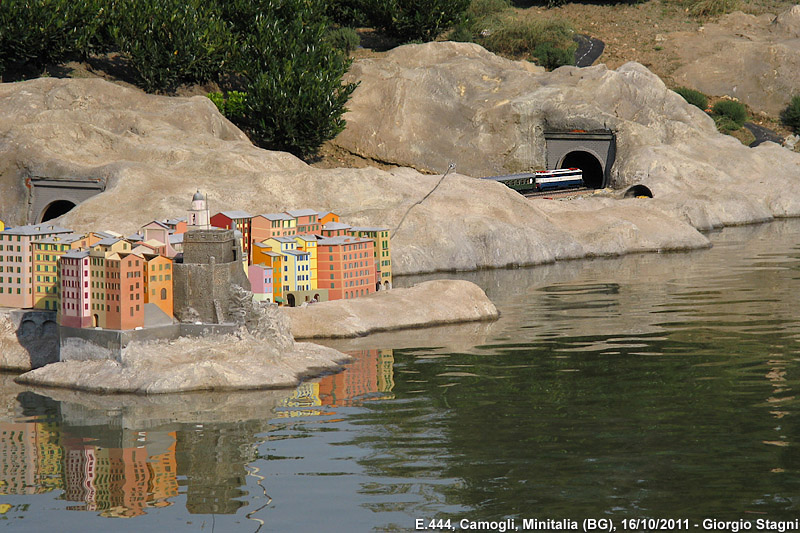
(75, 310)
(261, 282)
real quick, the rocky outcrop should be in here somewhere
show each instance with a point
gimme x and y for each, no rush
(426, 304)
(229, 362)
(424, 106)
(753, 58)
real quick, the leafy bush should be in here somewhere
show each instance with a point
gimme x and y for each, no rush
(233, 105)
(292, 75)
(791, 115)
(348, 13)
(411, 20)
(549, 41)
(726, 124)
(480, 9)
(344, 39)
(172, 41)
(730, 111)
(36, 33)
(696, 98)
(461, 34)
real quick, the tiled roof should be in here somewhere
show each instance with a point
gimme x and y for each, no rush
(76, 254)
(341, 239)
(62, 239)
(277, 216)
(368, 228)
(335, 225)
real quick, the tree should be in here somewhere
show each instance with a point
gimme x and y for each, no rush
(291, 74)
(416, 20)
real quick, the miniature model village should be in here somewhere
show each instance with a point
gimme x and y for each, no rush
(182, 268)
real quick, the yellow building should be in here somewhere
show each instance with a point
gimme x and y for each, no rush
(45, 266)
(383, 252)
(263, 255)
(308, 243)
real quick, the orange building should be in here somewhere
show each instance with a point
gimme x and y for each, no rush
(263, 227)
(264, 256)
(346, 267)
(326, 217)
(158, 282)
(117, 290)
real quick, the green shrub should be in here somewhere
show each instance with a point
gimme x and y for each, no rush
(411, 20)
(169, 42)
(726, 124)
(344, 39)
(461, 34)
(696, 98)
(219, 101)
(549, 41)
(480, 9)
(791, 115)
(292, 75)
(33, 34)
(348, 13)
(712, 8)
(732, 111)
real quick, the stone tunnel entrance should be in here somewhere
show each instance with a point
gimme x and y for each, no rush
(592, 152)
(55, 210)
(50, 198)
(588, 163)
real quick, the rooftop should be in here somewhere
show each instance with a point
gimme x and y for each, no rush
(277, 216)
(368, 228)
(35, 229)
(302, 212)
(76, 254)
(342, 239)
(235, 214)
(335, 225)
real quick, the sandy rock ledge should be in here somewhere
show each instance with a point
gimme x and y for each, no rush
(218, 363)
(425, 304)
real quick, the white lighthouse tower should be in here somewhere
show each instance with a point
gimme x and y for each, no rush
(198, 214)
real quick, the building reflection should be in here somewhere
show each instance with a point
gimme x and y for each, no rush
(118, 463)
(120, 480)
(369, 376)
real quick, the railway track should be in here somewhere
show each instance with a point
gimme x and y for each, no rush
(583, 191)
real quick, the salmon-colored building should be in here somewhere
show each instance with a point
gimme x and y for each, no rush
(305, 220)
(157, 234)
(16, 262)
(335, 229)
(346, 267)
(270, 225)
(383, 251)
(117, 300)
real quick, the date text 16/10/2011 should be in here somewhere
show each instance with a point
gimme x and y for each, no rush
(607, 524)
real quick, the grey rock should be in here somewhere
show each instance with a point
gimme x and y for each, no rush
(429, 303)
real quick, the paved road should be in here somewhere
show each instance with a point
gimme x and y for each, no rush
(762, 134)
(589, 49)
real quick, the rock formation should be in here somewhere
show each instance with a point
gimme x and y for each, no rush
(419, 105)
(753, 58)
(429, 303)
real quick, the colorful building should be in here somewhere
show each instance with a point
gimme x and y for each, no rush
(46, 253)
(117, 290)
(16, 262)
(74, 277)
(260, 277)
(335, 229)
(327, 216)
(346, 267)
(157, 278)
(157, 234)
(305, 220)
(272, 225)
(296, 272)
(265, 257)
(383, 251)
(308, 243)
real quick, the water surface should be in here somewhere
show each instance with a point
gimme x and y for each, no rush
(660, 385)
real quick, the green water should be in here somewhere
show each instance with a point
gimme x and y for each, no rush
(661, 385)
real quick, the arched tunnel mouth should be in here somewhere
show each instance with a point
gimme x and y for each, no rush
(638, 191)
(56, 209)
(589, 164)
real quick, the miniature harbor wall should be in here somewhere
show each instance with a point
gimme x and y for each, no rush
(82, 344)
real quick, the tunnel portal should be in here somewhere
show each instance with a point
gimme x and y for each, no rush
(50, 198)
(592, 152)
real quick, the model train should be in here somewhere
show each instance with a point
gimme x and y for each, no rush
(542, 181)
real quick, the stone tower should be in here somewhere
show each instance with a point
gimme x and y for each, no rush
(204, 283)
(198, 217)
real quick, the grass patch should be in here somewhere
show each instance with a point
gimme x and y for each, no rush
(548, 42)
(696, 98)
(712, 8)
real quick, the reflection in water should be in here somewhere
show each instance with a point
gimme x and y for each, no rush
(643, 386)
